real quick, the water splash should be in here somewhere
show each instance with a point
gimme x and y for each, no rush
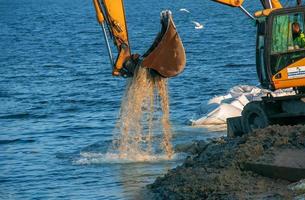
(89, 158)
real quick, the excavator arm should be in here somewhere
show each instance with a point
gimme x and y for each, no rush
(112, 14)
(232, 3)
(237, 3)
(166, 56)
(268, 5)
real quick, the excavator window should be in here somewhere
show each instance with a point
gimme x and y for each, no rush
(288, 40)
(282, 32)
(260, 49)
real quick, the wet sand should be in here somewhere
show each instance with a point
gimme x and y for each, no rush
(216, 169)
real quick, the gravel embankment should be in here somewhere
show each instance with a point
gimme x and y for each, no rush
(216, 170)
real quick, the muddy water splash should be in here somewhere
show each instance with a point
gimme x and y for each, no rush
(145, 106)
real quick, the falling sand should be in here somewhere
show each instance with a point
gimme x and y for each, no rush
(144, 109)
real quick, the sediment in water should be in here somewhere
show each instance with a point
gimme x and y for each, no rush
(216, 169)
(144, 105)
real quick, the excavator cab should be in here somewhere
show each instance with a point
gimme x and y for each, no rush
(280, 49)
(280, 45)
(280, 63)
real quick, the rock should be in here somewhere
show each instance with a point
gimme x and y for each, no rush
(183, 147)
(298, 187)
(191, 148)
(202, 145)
(300, 197)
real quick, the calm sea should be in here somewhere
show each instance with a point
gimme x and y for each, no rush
(59, 102)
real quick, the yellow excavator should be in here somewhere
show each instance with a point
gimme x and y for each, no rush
(280, 64)
(280, 58)
(166, 56)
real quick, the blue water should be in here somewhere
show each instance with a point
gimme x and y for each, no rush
(58, 98)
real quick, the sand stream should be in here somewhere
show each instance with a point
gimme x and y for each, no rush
(144, 111)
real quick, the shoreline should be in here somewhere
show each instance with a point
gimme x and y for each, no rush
(219, 169)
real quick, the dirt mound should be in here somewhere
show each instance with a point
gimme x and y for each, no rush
(217, 169)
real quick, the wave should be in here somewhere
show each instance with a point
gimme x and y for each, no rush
(89, 158)
(16, 116)
(18, 141)
(24, 116)
(239, 64)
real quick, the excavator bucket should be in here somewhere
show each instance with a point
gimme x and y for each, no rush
(166, 56)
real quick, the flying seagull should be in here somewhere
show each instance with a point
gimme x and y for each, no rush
(198, 25)
(184, 10)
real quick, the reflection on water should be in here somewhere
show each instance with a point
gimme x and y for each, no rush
(136, 176)
(132, 174)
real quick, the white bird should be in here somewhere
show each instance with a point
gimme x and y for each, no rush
(198, 25)
(184, 10)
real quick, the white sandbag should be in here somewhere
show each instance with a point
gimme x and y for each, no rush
(219, 108)
(240, 102)
(219, 115)
(219, 99)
